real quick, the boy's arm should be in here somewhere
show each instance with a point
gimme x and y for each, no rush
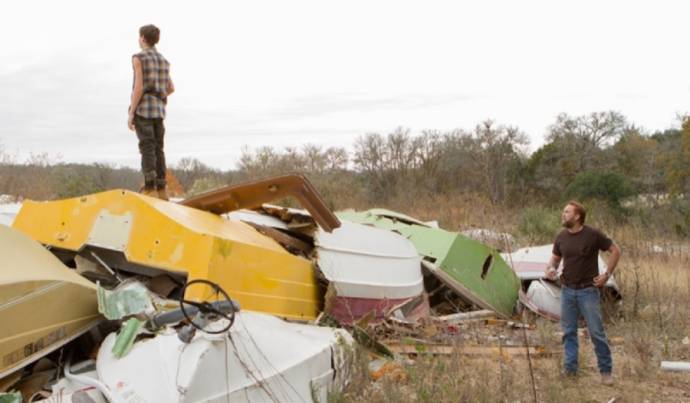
(137, 91)
(171, 87)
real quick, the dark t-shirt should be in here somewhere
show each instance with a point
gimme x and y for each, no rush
(580, 252)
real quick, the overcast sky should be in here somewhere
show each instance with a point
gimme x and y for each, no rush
(294, 72)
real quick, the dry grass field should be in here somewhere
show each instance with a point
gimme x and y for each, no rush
(652, 324)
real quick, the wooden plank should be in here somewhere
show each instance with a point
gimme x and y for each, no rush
(437, 349)
(463, 316)
(289, 242)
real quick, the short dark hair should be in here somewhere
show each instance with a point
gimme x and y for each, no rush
(151, 34)
(580, 210)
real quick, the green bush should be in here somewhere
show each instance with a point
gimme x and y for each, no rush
(538, 225)
(605, 186)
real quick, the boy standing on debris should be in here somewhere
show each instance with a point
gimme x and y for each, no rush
(150, 90)
(579, 245)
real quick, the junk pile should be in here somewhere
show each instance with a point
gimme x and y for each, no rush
(120, 297)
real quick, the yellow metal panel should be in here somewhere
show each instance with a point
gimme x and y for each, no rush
(253, 268)
(53, 223)
(267, 281)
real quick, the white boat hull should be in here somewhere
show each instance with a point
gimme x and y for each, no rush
(262, 359)
(371, 269)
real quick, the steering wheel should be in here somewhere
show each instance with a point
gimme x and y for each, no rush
(209, 310)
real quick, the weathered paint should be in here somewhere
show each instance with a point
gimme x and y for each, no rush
(264, 359)
(254, 269)
(370, 269)
(544, 299)
(460, 258)
(349, 309)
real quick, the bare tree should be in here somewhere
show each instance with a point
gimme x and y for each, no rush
(498, 148)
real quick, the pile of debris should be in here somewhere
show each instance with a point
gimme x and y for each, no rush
(122, 297)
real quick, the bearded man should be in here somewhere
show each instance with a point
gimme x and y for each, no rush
(579, 245)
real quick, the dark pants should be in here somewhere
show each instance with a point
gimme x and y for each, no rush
(150, 133)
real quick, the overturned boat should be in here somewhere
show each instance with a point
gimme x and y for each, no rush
(244, 364)
(368, 270)
(473, 270)
(371, 270)
(128, 233)
(43, 303)
(207, 351)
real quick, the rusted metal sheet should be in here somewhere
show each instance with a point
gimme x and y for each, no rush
(253, 194)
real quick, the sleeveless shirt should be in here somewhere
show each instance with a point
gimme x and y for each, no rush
(156, 74)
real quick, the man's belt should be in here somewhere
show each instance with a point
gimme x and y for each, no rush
(580, 286)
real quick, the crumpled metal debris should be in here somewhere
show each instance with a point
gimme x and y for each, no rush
(11, 397)
(126, 336)
(129, 298)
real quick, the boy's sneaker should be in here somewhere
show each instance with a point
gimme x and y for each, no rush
(163, 194)
(148, 191)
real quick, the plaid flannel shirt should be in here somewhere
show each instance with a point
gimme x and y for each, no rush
(156, 74)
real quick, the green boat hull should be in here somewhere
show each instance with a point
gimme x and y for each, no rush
(472, 269)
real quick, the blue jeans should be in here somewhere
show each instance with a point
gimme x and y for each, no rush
(585, 302)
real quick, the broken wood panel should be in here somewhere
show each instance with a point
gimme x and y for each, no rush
(292, 244)
(463, 316)
(253, 194)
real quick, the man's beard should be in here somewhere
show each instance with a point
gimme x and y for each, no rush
(568, 224)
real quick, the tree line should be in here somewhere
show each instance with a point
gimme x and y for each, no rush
(600, 156)
(596, 156)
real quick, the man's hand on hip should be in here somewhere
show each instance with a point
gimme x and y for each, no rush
(130, 122)
(601, 279)
(550, 273)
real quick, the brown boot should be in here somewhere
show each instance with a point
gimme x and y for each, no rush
(162, 194)
(148, 191)
(607, 379)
